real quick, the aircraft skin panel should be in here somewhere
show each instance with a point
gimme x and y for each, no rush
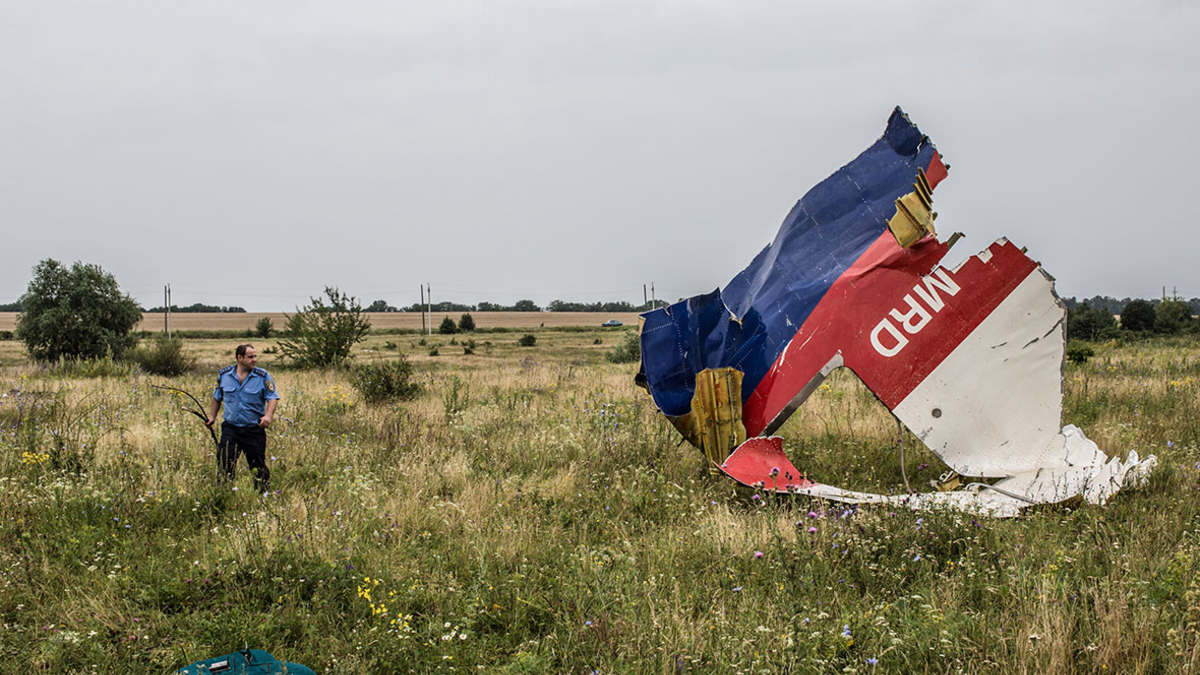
(993, 406)
(894, 317)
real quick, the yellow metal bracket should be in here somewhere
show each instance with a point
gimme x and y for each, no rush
(714, 424)
(914, 214)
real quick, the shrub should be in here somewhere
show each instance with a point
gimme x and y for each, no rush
(433, 351)
(1079, 352)
(1173, 317)
(466, 323)
(264, 328)
(1138, 316)
(76, 313)
(321, 334)
(1087, 323)
(628, 351)
(527, 340)
(383, 382)
(469, 347)
(447, 327)
(164, 356)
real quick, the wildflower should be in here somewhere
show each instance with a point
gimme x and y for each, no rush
(917, 558)
(758, 554)
(812, 514)
(872, 661)
(756, 497)
(846, 630)
(812, 530)
(588, 624)
(737, 589)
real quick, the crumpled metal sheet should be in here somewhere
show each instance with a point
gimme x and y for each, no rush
(969, 359)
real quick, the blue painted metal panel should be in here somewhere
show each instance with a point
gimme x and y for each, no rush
(748, 323)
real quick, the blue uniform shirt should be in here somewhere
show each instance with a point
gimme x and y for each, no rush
(245, 401)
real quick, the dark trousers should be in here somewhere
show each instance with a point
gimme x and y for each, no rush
(251, 440)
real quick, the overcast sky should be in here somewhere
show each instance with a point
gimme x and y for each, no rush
(251, 153)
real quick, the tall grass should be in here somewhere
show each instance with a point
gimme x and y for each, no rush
(530, 512)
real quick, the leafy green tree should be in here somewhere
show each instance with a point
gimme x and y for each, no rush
(323, 333)
(447, 327)
(526, 306)
(1138, 316)
(1087, 323)
(380, 306)
(466, 323)
(628, 351)
(76, 313)
(264, 328)
(1173, 317)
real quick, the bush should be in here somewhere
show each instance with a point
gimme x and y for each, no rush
(321, 334)
(1086, 323)
(164, 356)
(447, 327)
(1138, 316)
(76, 313)
(466, 323)
(433, 351)
(1078, 352)
(1173, 317)
(527, 340)
(264, 328)
(384, 382)
(628, 351)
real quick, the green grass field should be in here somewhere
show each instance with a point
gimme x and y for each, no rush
(531, 512)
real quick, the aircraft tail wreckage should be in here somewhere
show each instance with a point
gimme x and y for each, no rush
(969, 359)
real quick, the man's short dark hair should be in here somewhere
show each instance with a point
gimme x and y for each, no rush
(241, 349)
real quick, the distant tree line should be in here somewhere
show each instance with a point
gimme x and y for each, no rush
(1138, 318)
(11, 307)
(199, 308)
(1114, 306)
(521, 306)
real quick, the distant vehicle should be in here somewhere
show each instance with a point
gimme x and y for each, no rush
(612, 322)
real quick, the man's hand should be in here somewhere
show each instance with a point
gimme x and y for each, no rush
(264, 421)
(210, 421)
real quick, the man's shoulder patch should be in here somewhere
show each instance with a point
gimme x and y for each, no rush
(226, 369)
(260, 372)
(270, 384)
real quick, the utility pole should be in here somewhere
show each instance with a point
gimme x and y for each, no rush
(429, 299)
(653, 298)
(422, 287)
(645, 300)
(167, 310)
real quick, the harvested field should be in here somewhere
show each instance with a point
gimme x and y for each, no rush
(246, 320)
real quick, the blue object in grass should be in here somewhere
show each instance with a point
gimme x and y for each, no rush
(244, 662)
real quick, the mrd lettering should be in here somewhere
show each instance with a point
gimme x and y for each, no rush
(915, 316)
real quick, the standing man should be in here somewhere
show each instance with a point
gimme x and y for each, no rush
(250, 398)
